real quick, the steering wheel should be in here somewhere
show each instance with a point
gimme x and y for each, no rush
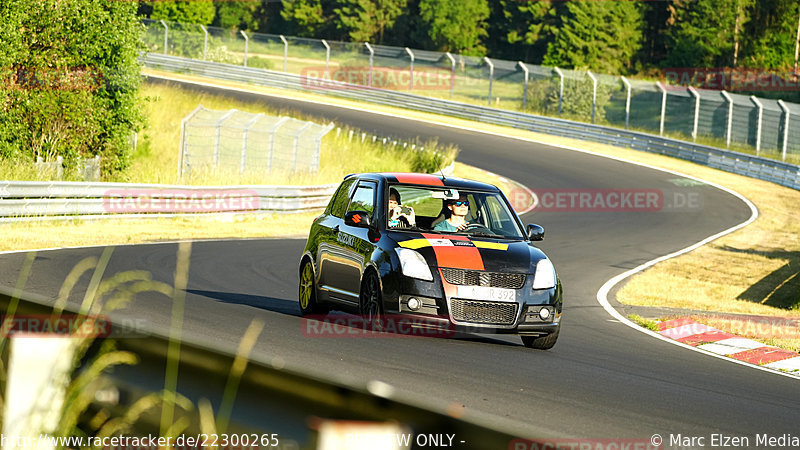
(476, 226)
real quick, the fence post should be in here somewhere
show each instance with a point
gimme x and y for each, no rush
(272, 131)
(452, 72)
(318, 141)
(205, 42)
(327, 59)
(285, 51)
(244, 140)
(166, 36)
(560, 88)
(788, 113)
(491, 77)
(525, 86)
(219, 132)
(627, 101)
(696, 96)
(182, 148)
(246, 43)
(411, 70)
(663, 108)
(371, 57)
(594, 92)
(758, 127)
(296, 144)
(730, 117)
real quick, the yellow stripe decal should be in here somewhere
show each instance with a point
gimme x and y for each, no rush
(415, 243)
(491, 245)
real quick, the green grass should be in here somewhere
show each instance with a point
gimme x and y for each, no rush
(156, 160)
(646, 323)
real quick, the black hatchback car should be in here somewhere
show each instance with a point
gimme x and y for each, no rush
(449, 250)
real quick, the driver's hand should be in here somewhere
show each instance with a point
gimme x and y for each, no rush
(463, 226)
(395, 213)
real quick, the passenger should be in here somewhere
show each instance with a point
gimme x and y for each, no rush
(455, 212)
(399, 216)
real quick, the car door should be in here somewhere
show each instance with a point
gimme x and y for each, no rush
(328, 248)
(352, 248)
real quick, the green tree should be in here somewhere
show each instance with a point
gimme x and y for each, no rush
(70, 80)
(707, 33)
(772, 30)
(309, 18)
(598, 35)
(521, 30)
(456, 25)
(366, 19)
(188, 11)
(240, 15)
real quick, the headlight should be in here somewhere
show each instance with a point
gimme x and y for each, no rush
(545, 276)
(413, 264)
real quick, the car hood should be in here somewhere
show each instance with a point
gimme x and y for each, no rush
(472, 253)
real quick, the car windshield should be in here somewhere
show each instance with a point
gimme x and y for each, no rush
(449, 210)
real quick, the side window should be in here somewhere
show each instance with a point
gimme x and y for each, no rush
(363, 199)
(339, 201)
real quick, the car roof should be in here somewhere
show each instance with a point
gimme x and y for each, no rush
(424, 179)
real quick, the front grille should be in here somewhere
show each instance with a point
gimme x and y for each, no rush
(478, 311)
(478, 278)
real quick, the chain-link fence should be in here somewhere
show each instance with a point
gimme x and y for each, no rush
(768, 127)
(238, 142)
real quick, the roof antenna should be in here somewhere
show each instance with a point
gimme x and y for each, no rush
(439, 164)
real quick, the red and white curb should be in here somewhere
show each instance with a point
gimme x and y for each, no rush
(721, 343)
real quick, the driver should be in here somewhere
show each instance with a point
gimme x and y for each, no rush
(455, 212)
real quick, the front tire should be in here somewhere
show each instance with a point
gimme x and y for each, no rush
(542, 342)
(307, 293)
(371, 301)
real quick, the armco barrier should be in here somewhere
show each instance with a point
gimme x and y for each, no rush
(752, 166)
(24, 200)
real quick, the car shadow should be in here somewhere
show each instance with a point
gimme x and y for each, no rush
(279, 305)
(291, 308)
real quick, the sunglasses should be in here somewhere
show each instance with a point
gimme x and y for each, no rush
(459, 203)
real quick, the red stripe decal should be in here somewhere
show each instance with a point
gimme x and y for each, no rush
(418, 178)
(450, 290)
(456, 257)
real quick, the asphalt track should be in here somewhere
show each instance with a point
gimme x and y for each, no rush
(602, 379)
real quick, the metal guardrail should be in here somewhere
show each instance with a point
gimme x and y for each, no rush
(20, 200)
(752, 166)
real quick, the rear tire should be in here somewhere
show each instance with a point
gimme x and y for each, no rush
(542, 342)
(307, 293)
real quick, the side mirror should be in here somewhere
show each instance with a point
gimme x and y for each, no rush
(357, 219)
(535, 232)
